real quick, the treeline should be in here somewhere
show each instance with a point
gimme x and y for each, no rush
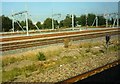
(47, 24)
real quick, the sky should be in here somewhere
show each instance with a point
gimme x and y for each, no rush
(60, 0)
(39, 11)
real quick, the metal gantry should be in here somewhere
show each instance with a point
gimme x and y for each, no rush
(53, 15)
(115, 17)
(34, 23)
(26, 20)
(95, 20)
(107, 16)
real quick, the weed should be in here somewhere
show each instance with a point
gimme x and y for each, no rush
(41, 56)
(87, 50)
(101, 51)
(66, 42)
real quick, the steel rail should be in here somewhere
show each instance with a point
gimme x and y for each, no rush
(53, 40)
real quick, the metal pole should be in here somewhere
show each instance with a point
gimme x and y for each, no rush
(27, 24)
(114, 22)
(86, 20)
(13, 24)
(117, 20)
(96, 21)
(52, 23)
(93, 21)
(72, 22)
(106, 22)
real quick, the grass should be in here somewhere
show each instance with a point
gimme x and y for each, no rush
(49, 52)
(9, 60)
(114, 47)
(85, 50)
(12, 74)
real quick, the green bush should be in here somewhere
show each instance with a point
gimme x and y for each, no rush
(41, 56)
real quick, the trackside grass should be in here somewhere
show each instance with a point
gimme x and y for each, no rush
(44, 59)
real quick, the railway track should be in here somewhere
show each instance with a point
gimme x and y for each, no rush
(40, 40)
(51, 35)
(89, 73)
(39, 31)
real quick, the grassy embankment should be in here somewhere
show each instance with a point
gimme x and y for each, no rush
(40, 60)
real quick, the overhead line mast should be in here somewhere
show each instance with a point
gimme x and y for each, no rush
(53, 19)
(26, 19)
(72, 21)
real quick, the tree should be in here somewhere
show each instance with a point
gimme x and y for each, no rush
(101, 20)
(81, 20)
(56, 23)
(119, 22)
(16, 26)
(61, 23)
(47, 23)
(67, 22)
(39, 25)
(75, 20)
(31, 25)
(0, 24)
(22, 23)
(90, 19)
(6, 23)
